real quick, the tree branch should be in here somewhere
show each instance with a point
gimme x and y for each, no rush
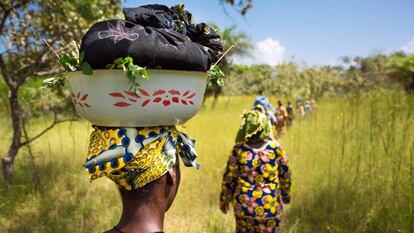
(4, 19)
(2, 6)
(55, 122)
(36, 179)
(7, 12)
(34, 67)
(47, 73)
(4, 73)
(21, 4)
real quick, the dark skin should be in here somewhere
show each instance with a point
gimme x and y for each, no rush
(144, 209)
(254, 144)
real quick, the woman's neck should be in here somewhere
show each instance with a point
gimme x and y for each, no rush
(141, 217)
(257, 144)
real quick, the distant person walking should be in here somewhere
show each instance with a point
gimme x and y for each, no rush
(257, 177)
(300, 107)
(314, 106)
(263, 104)
(290, 114)
(281, 117)
(308, 108)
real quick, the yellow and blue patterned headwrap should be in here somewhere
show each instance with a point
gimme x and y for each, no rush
(134, 157)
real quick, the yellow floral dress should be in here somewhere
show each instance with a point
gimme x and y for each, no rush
(257, 183)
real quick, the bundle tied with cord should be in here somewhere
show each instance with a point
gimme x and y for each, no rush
(155, 37)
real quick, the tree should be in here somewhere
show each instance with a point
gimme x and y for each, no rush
(23, 25)
(402, 66)
(243, 6)
(366, 73)
(240, 42)
(241, 47)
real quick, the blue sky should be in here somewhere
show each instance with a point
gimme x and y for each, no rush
(313, 31)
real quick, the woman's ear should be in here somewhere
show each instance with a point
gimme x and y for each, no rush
(172, 176)
(172, 183)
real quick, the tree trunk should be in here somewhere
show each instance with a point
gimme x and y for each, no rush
(8, 161)
(217, 92)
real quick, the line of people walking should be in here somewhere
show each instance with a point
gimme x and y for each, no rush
(283, 117)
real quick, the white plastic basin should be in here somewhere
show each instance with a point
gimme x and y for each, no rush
(169, 97)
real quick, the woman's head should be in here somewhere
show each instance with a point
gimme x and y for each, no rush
(255, 126)
(260, 108)
(159, 193)
(279, 102)
(143, 162)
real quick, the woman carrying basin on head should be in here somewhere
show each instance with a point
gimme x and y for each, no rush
(257, 178)
(144, 163)
(141, 155)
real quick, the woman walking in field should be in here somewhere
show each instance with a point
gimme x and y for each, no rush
(263, 104)
(290, 114)
(257, 178)
(300, 108)
(281, 116)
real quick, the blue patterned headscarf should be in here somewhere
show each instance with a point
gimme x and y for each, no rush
(270, 111)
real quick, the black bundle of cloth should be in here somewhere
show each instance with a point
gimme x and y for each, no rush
(155, 36)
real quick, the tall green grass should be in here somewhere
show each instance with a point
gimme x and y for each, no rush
(352, 166)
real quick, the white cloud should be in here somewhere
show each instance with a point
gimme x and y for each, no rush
(268, 51)
(409, 47)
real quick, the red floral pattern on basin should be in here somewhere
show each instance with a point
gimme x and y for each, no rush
(80, 100)
(160, 96)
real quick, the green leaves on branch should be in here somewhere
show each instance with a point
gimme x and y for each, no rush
(243, 6)
(71, 63)
(131, 70)
(216, 76)
(53, 83)
(86, 68)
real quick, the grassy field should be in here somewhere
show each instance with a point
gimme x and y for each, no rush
(352, 165)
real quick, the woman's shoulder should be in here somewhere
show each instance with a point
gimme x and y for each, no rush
(275, 146)
(238, 148)
(272, 144)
